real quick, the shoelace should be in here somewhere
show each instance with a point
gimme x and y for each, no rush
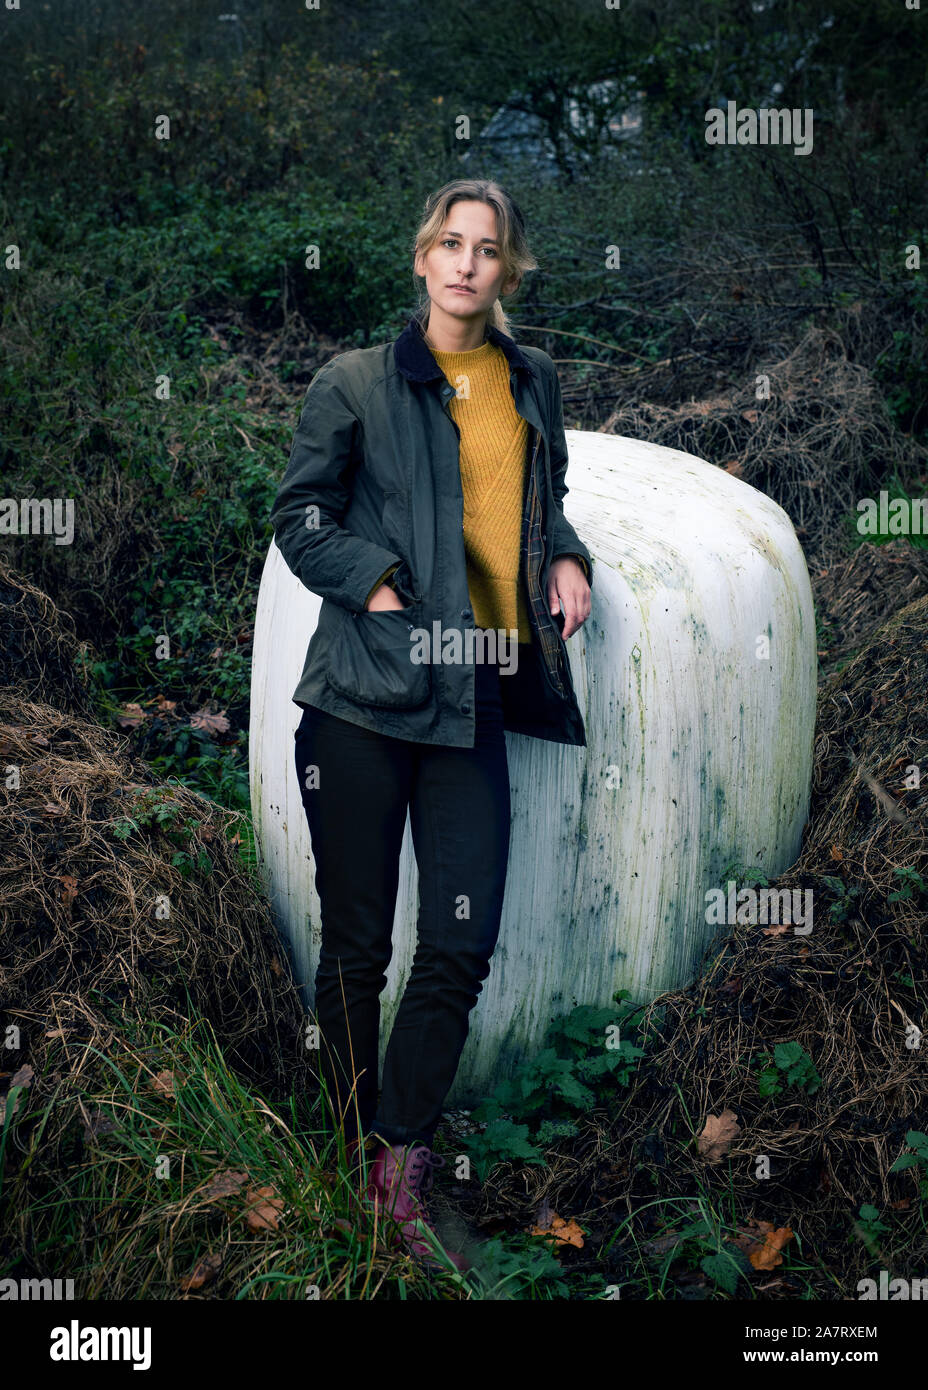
(420, 1167)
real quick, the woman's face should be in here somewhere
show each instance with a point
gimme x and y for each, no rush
(466, 253)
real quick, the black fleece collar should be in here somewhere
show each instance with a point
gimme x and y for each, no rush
(415, 361)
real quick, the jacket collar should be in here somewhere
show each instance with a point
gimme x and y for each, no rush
(415, 361)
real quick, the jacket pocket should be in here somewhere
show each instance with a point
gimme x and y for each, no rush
(372, 660)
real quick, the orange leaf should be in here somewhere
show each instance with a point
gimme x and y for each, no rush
(768, 1253)
(163, 1083)
(568, 1232)
(564, 1232)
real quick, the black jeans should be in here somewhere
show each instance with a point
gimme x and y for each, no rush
(459, 808)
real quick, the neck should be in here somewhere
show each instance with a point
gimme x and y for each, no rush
(449, 334)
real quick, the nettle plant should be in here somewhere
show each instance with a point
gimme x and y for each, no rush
(584, 1058)
(153, 810)
(918, 1142)
(788, 1065)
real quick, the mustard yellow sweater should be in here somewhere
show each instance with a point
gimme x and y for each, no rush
(493, 462)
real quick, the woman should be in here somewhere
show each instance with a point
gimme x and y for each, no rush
(423, 503)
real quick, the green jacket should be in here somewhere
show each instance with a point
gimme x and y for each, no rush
(373, 485)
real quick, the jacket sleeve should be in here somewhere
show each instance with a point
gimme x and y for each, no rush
(565, 540)
(314, 494)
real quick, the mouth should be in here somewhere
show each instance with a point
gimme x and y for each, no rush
(462, 289)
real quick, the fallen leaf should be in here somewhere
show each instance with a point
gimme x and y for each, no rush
(68, 890)
(203, 1271)
(744, 1239)
(768, 1252)
(568, 1232)
(777, 930)
(718, 1136)
(661, 1244)
(131, 717)
(563, 1232)
(22, 1077)
(211, 723)
(226, 1183)
(836, 853)
(98, 1122)
(163, 1083)
(264, 1212)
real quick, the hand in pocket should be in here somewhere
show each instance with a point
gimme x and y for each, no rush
(383, 599)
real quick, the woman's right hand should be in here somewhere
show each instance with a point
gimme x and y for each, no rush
(384, 598)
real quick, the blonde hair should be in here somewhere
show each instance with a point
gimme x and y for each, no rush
(510, 230)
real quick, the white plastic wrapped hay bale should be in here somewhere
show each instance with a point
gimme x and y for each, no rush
(696, 677)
